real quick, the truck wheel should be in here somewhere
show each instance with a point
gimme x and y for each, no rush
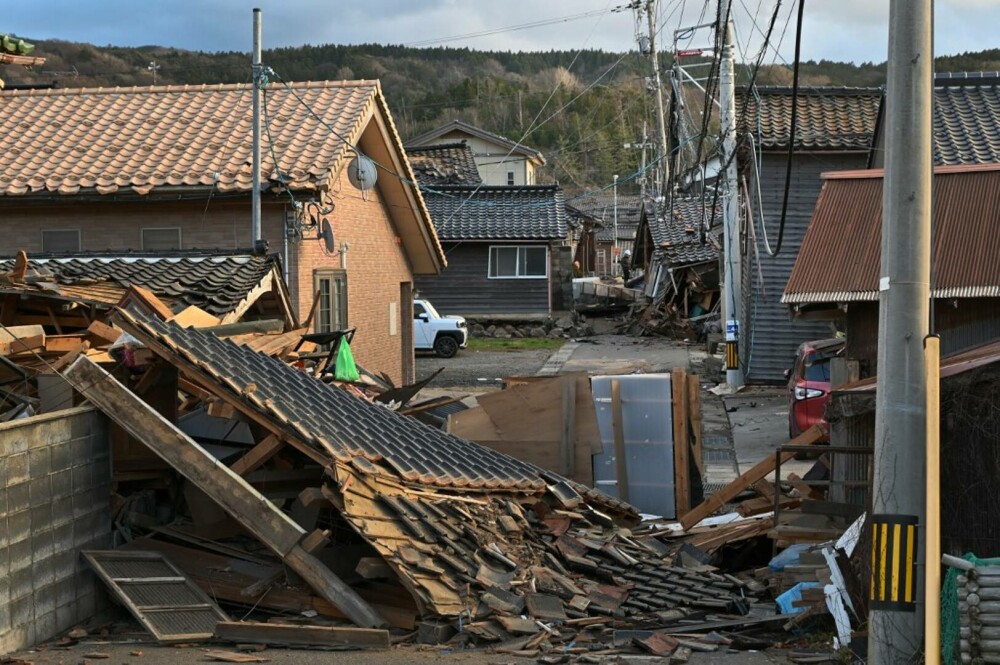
(445, 346)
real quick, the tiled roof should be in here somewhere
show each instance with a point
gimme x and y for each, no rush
(967, 119)
(602, 206)
(833, 118)
(217, 284)
(840, 255)
(498, 213)
(676, 235)
(106, 140)
(332, 420)
(444, 164)
(472, 130)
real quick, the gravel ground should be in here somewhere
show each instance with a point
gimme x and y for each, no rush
(481, 370)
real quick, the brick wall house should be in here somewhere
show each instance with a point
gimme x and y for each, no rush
(168, 167)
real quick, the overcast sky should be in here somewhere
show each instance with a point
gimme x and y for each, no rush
(845, 30)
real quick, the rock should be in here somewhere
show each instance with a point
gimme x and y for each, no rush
(489, 331)
(537, 332)
(555, 333)
(519, 334)
(476, 330)
(509, 328)
(500, 333)
(564, 322)
(587, 330)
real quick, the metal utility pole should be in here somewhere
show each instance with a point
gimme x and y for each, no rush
(732, 289)
(153, 67)
(898, 507)
(255, 233)
(661, 121)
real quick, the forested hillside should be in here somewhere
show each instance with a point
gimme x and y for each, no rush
(579, 109)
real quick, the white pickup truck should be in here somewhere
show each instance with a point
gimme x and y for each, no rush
(444, 335)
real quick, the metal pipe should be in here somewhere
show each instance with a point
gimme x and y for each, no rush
(932, 597)
(256, 70)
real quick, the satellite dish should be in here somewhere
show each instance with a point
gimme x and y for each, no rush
(362, 173)
(326, 235)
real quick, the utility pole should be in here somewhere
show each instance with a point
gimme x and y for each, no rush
(643, 144)
(257, 76)
(732, 292)
(895, 626)
(614, 245)
(661, 122)
(153, 67)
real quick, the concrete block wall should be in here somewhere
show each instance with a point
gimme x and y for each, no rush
(55, 485)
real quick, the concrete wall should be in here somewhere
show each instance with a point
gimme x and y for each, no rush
(54, 502)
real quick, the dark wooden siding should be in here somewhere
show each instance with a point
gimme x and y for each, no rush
(770, 336)
(464, 288)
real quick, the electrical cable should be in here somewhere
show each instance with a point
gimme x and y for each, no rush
(791, 130)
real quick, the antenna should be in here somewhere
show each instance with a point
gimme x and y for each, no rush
(362, 173)
(326, 236)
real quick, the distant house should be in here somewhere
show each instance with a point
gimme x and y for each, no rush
(159, 169)
(834, 131)
(500, 161)
(508, 250)
(444, 164)
(836, 275)
(619, 214)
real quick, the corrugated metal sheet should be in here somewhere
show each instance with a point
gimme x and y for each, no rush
(770, 336)
(841, 252)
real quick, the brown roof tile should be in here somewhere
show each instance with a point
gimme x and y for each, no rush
(841, 253)
(114, 139)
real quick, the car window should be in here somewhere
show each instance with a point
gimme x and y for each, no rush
(418, 309)
(818, 370)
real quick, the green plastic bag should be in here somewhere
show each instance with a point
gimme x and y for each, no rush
(346, 370)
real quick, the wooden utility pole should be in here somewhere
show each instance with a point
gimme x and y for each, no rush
(256, 65)
(898, 508)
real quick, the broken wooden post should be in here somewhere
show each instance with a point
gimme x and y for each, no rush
(682, 459)
(567, 443)
(233, 494)
(621, 465)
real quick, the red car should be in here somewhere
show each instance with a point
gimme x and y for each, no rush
(809, 384)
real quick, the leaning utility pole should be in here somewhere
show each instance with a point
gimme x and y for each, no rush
(898, 507)
(255, 160)
(661, 121)
(732, 264)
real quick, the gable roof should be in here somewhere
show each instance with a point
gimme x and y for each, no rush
(458, 126)
(499, 213)
(222, 284)
(675, 235)
(148, 140)
(967, 119)
(840, 256)
(444, 164)
(602, 206)
(829, 118)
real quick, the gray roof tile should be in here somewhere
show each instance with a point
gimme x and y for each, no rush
(676, 236)
(498, 213)
(967, 120)
(444, 164)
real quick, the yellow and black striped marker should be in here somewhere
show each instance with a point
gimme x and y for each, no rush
(732, 355)
(894, 563)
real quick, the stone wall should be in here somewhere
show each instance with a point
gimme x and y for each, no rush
(572, 324)
(54, 502)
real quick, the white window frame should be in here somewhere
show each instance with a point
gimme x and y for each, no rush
(79, 240)
(142, 237)
(519, 248)
(511, 178)
(342, 306)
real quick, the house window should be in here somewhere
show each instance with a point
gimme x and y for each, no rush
(61, 240)
(156, 239)
(518, 262)
(331, 312)
(510, 178)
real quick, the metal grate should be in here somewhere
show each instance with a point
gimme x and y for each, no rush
(158, 594)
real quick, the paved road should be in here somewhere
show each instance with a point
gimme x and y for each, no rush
(481, 370)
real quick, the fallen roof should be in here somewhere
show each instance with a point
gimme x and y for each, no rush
(828, 118)
(478, 132)
(330, 420)
(219, 283)
(444, 164)
(841, 253)
(675, 231)
(498, 213)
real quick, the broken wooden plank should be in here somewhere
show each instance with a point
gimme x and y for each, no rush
(682, 483)
(247, 506)
(374, 568)
(567, 442)
(292, 635)
(234, 657)
(618, 426)
(755, 473)
(254, 458)
(694, 418)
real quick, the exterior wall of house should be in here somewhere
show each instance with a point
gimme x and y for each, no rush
(488, 156)
(973, 322)
(376, 264)
(54, 502)
(465, 288)
(770, 336)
